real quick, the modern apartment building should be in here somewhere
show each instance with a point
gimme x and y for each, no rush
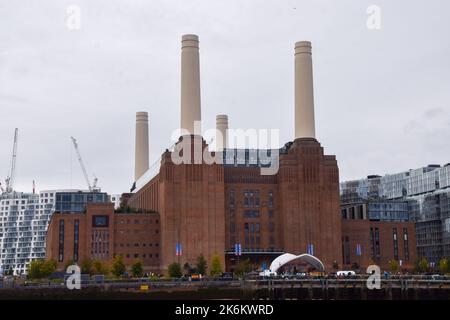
(427, 191)
(377, 232)
(24, 219)
(23, 222)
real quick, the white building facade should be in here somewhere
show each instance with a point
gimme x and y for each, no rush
(24, 219)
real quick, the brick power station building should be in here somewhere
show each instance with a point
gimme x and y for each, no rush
(269, 202)
(208, 208)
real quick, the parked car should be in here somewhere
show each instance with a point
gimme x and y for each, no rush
(226, 276)
(437, 277)
(196, 277)
(287, 275)
(345, 273)
(301, 275)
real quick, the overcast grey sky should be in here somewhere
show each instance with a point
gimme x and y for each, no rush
(381, 96)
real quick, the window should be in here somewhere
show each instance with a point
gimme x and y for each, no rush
(394, 236)
(251, 198)
(377, 243)
(100, 221)
(352, 213)
(231, 198)
(270, 199)
(372, 243)
(61, 241)
(405, 243)
(251, 213)
(360, 212)
(252, 235)
(76, 230)
(346, 250)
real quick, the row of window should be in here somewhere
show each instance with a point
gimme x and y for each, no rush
(251, 227)
(136, 221)
(136, 231)
(144, 255)
(251, 241)
(251, 198)
(251, 213)
(156, 244)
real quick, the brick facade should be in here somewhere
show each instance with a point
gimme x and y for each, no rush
(100, 234)
(377, 242)
(297, 207)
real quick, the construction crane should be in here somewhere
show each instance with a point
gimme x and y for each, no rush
(12, 167)
(92, 187)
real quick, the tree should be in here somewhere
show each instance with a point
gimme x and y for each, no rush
(9, 272)
(188, 269)
(244, 267)
(68, 263)
(393, 265)
(48, 267)
(444, 266)
(137, 269)
(216, 266)
(201, 265)
(335, 265)
(86, 266)
(174, 270)
(423, 265)
(34, 269)
(118, 268)
(100, 268)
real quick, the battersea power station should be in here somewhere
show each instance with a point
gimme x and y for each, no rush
(226, 202)
(269, 202)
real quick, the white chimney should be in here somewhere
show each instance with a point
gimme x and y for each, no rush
(221, 132)
(141, 147)
(304, 97)
(190, 83)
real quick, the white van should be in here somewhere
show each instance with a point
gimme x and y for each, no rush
(345, 273)
(267, 273)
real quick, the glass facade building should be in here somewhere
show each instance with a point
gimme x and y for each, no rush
(76, 201)
(427, 191)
